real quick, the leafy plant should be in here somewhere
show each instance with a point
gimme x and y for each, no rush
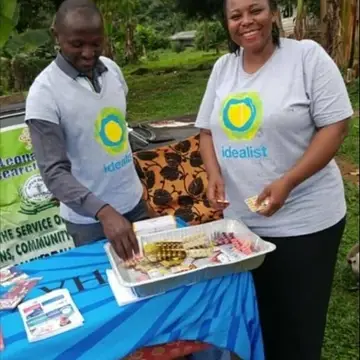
(9, 14)
(178, 46)
(26, 42)
(216, 36)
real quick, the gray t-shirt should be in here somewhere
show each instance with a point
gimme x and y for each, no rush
(262, 124)
(96, 134)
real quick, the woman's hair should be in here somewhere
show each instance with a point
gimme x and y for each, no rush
(235, 48)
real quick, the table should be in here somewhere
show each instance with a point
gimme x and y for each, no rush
(222, 312)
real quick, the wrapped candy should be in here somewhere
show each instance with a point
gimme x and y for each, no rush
(200, 253)
(196, 243)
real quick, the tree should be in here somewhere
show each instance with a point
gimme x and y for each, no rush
(35, 14)
(9, 14)
(216, 36)
(204, 10)
(120, 14)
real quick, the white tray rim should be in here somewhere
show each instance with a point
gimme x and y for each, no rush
(107, 246)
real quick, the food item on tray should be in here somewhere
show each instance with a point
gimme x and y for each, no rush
(155, 273)
(182, 268)
(196, 243)
(222, 238)
(220, 258)
(143, 266)
(152, 248)
(170, 263)
(167, 255)
(174, 251)
(189, 239)
(244, 246)
(200, 253)
(160, 251)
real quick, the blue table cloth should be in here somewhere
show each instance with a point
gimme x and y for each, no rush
(222, 312)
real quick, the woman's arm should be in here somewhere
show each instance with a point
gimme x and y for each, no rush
(320, 152)
(330, 109)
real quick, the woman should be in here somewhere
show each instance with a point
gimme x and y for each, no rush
(273, 116)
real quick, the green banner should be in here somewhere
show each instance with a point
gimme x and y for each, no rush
(30, 225)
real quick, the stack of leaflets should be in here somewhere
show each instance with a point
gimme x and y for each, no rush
(13, 297)
(11, 274)
(50, 315)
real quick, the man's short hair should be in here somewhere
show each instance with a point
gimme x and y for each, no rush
(86, 7)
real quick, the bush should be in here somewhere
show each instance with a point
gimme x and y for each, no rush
(6, 80)
(147, 37)
(178, 46)
(20, 72)
(216, 36)
(120, 54)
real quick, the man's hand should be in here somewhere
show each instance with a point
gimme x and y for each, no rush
(216, 192)
(119, 231)
(275, 194)
(152, 213)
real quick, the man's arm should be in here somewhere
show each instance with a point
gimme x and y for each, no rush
(49, 147)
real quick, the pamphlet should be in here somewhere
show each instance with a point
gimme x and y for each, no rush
(50, 315)
(12, 298)
(11, 274)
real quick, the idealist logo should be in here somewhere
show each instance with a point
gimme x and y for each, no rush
(241, 118)
(111, 131)
(117, 165)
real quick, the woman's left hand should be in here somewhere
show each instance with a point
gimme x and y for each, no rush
(275, 194)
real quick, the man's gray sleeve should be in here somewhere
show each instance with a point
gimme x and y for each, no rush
(48, 142)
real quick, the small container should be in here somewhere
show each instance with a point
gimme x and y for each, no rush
(212, 270)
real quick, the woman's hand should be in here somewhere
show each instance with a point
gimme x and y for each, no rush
(216, 192)
(275, 195)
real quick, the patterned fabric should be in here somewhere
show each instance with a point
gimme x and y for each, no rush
(175, 181)
(168, 351)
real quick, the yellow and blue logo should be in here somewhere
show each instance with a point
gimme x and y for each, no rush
(111, 131)
(242, 115)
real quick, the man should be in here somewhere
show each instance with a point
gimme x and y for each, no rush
(75, 111)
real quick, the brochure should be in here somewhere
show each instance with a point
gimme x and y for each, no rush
(50, 315)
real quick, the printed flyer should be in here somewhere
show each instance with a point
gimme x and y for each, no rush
(31, 227)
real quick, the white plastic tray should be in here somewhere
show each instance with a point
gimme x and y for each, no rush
(160, 285)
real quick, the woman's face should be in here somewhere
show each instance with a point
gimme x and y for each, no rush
(250, 23)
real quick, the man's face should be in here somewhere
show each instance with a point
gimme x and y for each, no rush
(81, 40)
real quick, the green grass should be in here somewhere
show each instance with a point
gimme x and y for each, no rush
(350, 148)
(169, 60)
(354, 94)
(155, 97)
(342, 332)
(173, 85)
